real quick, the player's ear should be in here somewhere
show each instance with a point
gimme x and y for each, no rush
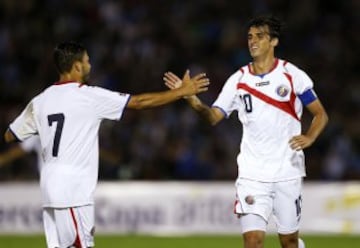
(274, 41)
(77, 66)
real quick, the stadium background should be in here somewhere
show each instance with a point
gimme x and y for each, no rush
(132, 43)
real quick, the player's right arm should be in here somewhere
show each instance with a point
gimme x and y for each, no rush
(191, 86)
(13, 153)
(22, 127)
(9, 136)
(211, 114)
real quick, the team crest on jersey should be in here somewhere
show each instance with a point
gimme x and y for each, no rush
(282, 90)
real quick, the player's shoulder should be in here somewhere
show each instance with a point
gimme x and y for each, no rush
(238, 74)
(93, 88)
(97, 93)
(297, 74)
(37, 98)
(290, 67)
(243, 69)
(85, 89)
(90, 88)
(80, 91)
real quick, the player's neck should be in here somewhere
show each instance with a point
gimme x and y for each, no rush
(263, 65)
(68, 77)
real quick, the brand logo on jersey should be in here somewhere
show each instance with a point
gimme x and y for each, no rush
(282, 90)
(262, 83)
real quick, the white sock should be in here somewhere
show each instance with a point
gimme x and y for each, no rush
(301, 243)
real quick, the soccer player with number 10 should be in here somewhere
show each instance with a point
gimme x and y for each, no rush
(269, 95)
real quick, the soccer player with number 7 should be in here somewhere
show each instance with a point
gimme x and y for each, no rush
(269, 94)
(67, 116)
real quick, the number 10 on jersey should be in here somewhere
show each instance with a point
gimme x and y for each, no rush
(246, 98)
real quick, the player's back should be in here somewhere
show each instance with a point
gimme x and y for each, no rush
(67, 117)
(68, 128)
(67, 123)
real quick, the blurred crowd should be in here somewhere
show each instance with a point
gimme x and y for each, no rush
(132, 43)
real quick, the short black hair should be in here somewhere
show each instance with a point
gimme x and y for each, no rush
(274, 24)
(66, 53)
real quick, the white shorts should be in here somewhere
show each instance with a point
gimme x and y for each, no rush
(66, 227)
(280, 199)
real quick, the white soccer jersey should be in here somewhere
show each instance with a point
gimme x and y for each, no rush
(269, 110)
(67, 117)
(33, 144)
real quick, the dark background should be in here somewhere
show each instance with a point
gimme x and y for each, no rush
(132, 43)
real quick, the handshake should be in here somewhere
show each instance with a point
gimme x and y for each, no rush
(187, 85)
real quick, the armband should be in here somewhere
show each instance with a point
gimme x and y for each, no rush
(307, 97)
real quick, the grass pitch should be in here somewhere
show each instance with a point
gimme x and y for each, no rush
(216, 241)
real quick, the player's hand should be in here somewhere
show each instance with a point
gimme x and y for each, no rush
(172, 81)
(194, 85)
(300, 142)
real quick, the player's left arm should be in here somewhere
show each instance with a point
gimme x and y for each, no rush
(319, 121)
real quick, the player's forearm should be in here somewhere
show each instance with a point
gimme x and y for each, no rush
(11, 155)
(317, 125)
(149, 100)
(204, 111)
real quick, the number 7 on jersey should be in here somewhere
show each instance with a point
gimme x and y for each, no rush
(59, 119)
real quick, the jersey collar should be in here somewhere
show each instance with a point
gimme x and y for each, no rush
(262, 75)
(68, 82)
